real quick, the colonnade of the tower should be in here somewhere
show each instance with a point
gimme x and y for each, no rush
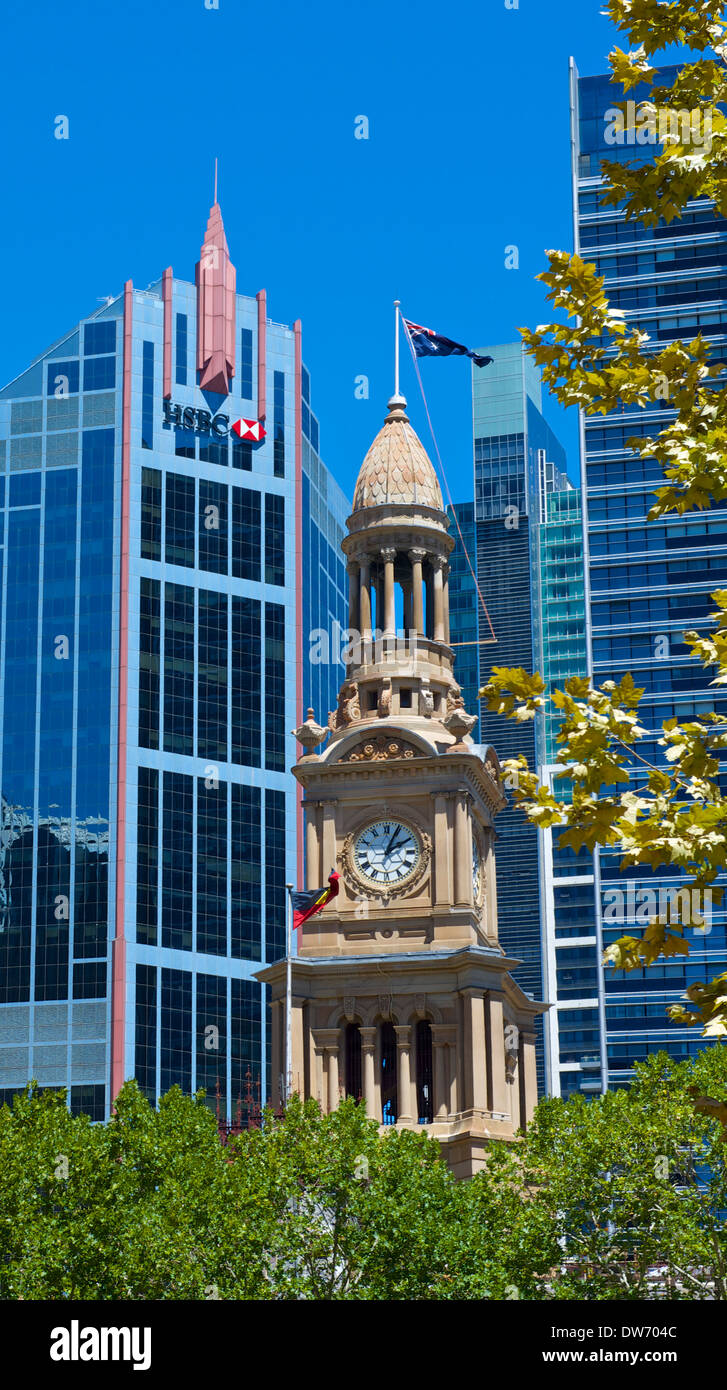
(423, 575)
(413, 1067)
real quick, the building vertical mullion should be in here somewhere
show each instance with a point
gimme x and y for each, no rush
(160, 856)
(158, 1024)
(195, 746)
(3, 625)
(193, 1030)
(36, 773)
(228, 1039)
(74, 780)
(264, 852)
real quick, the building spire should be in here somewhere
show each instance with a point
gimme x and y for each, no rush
(216, 282)
(397, 400)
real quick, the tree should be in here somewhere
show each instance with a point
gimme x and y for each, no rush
(674, 815)
(622, 1196)
(152, 1205)
(635, 1185)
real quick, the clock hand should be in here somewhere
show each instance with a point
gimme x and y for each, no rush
(392, 842)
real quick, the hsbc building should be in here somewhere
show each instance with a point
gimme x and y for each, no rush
(170, 537)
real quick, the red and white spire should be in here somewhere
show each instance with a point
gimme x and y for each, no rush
(216, 281)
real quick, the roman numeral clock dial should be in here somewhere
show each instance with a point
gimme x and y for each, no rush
(386, 853)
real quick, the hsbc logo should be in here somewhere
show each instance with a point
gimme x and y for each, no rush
(249, 429)
(203, 422)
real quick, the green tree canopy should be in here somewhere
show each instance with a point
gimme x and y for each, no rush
(622, 1196)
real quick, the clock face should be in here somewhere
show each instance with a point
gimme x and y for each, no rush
(386, 853)
(476, 871)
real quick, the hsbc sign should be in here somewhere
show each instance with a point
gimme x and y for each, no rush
(187, 417)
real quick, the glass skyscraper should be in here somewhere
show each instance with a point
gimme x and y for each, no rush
(518, 462)
(170, 537)
(572, 976)
(646, 582)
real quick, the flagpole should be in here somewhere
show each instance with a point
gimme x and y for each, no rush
(288, 995)
(396, 346)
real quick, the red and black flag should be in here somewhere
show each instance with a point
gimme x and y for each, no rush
(312, 900)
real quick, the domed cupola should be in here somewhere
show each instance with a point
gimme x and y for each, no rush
(399, 666)
(397, 469)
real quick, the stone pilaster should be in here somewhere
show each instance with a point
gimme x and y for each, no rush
(403, 1073)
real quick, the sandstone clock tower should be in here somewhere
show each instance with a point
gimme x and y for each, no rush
(401, 994)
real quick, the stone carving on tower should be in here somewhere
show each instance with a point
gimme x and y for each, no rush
(402, 995)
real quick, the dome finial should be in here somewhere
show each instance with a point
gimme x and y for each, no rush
(396, 408)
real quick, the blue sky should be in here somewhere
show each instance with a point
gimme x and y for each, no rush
(468, 152)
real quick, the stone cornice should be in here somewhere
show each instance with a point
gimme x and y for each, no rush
(468, 967)
(405, 773)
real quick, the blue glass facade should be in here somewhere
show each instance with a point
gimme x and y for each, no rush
(209, 814)
(61, 454)
(572, 976)
(517, 463)
(647, 581)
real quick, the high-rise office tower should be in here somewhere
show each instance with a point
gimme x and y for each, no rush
(646, 581)
(571, 949)
(170, 535)
(518, 462)
(569, 944)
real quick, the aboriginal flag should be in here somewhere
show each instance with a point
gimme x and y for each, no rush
(308, 903)
(427, 343)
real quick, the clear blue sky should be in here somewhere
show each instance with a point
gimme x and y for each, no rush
(468, 152)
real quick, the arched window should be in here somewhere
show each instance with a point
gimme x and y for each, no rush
(353, 1061)
(425, 1102)
(389, 1096)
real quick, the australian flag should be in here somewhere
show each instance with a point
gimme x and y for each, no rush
(427, 343)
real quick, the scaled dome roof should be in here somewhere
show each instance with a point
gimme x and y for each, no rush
(397, 469)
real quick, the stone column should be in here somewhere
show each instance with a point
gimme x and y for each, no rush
(440, 1107)
(368, 1046)
(416, 557)
(378, 592)
(497, 1098)
(365, 597)
(454, 1102)
(442, 850)
(528, 1078)
(446, 604)
(462, 852)
(403, 1073)
(429, 584)
(318, 1073)
(438, 587)
(328, 840)
(407, 606)
(276, 1062)
(312, 845)
(475, 1073)
(514, 1088)
(332, 1054)
(297, 1038)
(388, 556)
(354, 582)
(490, 871)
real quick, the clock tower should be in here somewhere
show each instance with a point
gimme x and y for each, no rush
(401, 993)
